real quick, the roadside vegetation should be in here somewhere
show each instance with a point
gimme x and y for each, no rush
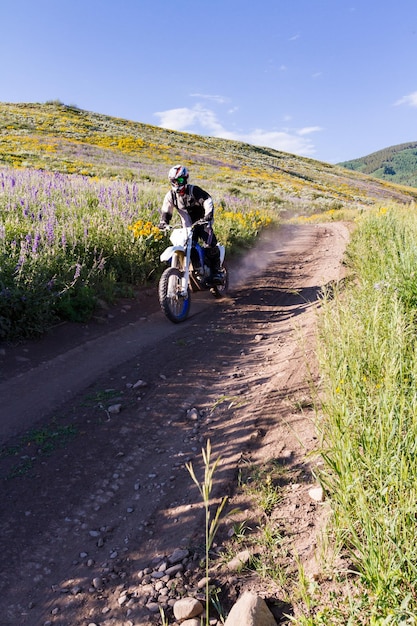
(368, 425)
(68, 241)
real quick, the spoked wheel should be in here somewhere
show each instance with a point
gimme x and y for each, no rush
(175, 306)
(219, 291)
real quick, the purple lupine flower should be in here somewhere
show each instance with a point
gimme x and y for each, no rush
(19, 264)
(50, 232)
(36, 243)
(101, 264)
(77, 272)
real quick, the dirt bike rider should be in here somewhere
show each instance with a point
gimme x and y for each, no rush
(192, 204)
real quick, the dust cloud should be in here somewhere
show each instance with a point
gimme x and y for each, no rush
(256, 259)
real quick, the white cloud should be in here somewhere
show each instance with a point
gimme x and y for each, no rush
(285, 141)
(203, 121)
(308, 130)
(213, 98)
(410, 100)
(188, 120)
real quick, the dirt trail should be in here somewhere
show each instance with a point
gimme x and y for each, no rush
(110, 491)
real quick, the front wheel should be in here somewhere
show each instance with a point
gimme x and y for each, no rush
(175, 305)
(219, 291)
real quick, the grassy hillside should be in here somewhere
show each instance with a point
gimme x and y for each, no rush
(61, 138)
(396, 164)
(80, 195)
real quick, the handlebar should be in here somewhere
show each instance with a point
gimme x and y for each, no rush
(201, 222)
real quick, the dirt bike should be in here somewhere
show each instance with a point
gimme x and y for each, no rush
(188, 272)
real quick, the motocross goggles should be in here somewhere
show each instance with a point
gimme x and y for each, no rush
(181, 180)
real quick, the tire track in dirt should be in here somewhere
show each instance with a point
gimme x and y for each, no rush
(242, 363)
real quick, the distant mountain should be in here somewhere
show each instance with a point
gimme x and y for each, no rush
(396, 164)
(65, 139)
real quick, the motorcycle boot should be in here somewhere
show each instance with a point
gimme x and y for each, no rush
(213, 259)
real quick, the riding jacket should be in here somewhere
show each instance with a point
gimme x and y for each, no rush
(194, 205)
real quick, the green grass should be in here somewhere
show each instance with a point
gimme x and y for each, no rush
(368, 359)
(262, 484)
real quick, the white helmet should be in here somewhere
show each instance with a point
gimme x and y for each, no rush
(178, 175)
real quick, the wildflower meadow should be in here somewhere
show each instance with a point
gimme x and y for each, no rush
(67, 241)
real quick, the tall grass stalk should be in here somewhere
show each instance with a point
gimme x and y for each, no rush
(211, 523)
(368, 356)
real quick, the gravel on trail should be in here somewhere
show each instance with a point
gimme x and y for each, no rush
(100, 522)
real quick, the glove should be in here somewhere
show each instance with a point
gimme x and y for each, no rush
(165, 219)
(209, 219)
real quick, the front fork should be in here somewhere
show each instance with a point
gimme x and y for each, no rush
(181, 261)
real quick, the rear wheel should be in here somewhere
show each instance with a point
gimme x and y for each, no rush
(175, 306)
(219, 291)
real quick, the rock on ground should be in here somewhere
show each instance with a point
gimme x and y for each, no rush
(250, 610)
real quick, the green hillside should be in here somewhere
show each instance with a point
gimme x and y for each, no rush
(80, 195)
(56, 137)
(396, 164)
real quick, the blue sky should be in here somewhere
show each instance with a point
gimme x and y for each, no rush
(328, 79)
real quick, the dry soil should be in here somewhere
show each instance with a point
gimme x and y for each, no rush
(97, 425)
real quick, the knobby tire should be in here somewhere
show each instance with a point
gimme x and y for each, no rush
(174, 306)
